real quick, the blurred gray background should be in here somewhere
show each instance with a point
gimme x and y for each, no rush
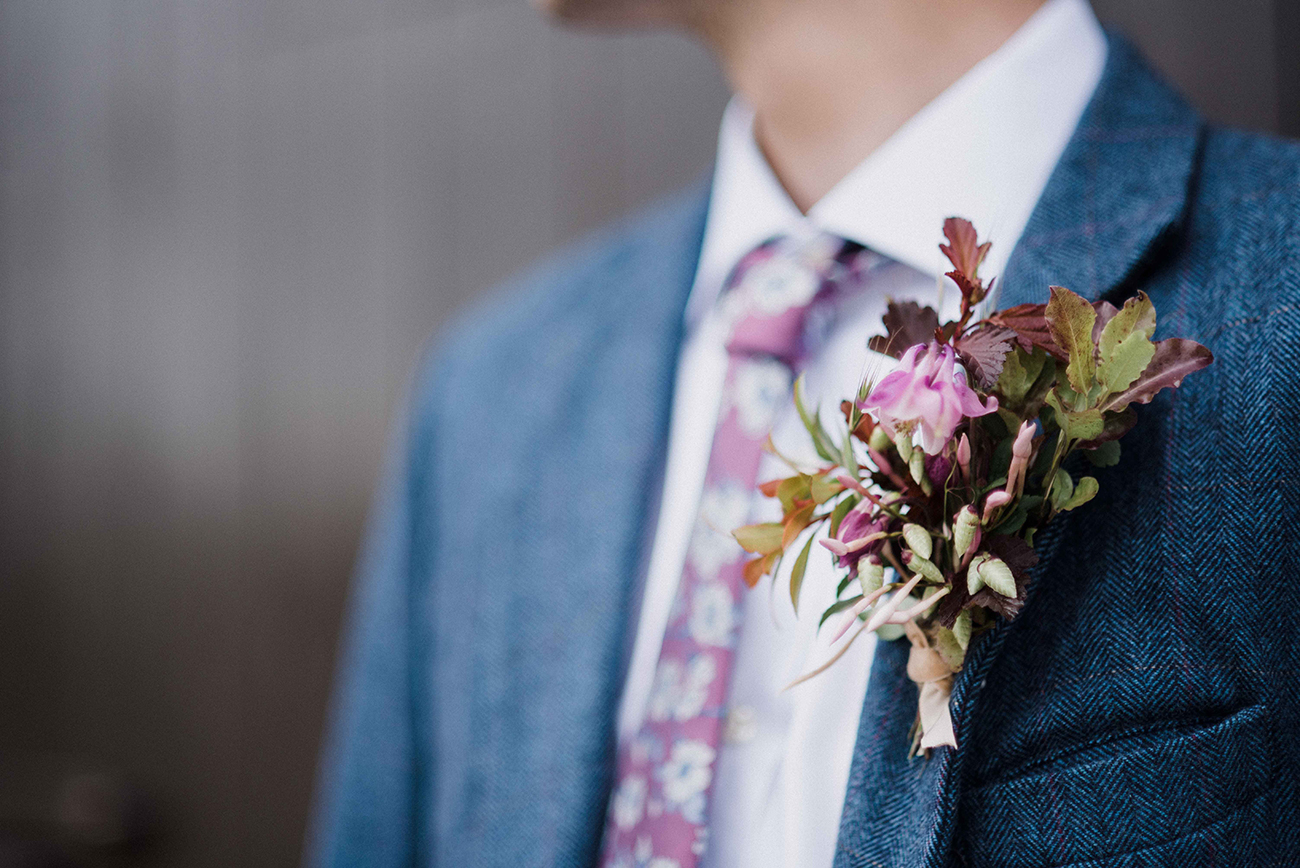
(226, 228)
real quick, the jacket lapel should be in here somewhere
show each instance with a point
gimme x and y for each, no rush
(1111, 206)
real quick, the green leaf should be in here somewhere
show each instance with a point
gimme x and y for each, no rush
(949, 648)
(1013, 522)
(961, 629)
(1062, 488)
(1105, 455)
(842, 509)
(791, 489)
(1174, 359)
(795, 524)
(796, 574)
(1084, 490)
(1016, 376)
(761, 539)
(844, 583)
(837, 607)
(823, 488)
(1046, 451)
(822, 441)
(1000, 463)
(1084, 425)
(848, 461)
(1070, 318)
(1126, 361)
(891, 632)
(1042, 383)
(1117, 424)
(1138, 316)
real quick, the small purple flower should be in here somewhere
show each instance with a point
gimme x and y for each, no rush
(927, 392)
(859, 534)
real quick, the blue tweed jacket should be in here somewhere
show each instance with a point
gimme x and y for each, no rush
(1144, 710)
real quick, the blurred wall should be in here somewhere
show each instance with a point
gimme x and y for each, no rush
(225, 231)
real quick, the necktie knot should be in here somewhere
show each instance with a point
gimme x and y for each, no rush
(773, 289)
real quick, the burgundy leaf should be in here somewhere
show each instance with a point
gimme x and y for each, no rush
(1029, 322)
(906, 325)
(952, 605)
(1175, 358)
(983, 351)
(865, 422)
(963, 248)
(1018, 555)
(968, 288)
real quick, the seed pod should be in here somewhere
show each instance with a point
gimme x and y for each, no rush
(916, 464)
(974, 581)
(879, 440)
(918, 539)
(998, 576)
(871, 573)
(964, 526)
(922, 566)
(903, 443)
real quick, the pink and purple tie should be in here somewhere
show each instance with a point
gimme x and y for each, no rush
(658, 813)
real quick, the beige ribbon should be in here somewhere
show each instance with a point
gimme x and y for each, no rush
(928, 669)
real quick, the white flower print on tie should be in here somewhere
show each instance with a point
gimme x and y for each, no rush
(711, 549)
(688, 772)
(629, 802)
(682, 695)
(713, 615)
(779, 284)
(761, 388)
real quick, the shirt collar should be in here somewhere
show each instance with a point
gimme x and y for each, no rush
(983, 149)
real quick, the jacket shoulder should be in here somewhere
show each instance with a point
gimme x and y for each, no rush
(1245, 216)
(1244, 168)
(530, 319)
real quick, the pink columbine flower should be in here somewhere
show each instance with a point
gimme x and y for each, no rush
(927, 392)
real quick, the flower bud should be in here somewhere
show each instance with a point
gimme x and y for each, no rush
(965, 525)
(963, 456)
(871, 573)
(998, 576)
(1021, 449)
(994, 501)
(918, 539)
(1024, 440)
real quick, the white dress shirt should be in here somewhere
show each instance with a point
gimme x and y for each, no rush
(983, 150)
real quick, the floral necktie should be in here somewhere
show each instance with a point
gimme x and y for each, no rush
(658, 813)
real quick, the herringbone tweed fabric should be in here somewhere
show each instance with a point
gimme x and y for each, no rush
(1144, 709)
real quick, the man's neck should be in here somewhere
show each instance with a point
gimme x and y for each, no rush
(831, 80)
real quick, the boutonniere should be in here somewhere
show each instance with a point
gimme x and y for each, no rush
(949, 466)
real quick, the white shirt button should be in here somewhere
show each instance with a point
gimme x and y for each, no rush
(741, 725)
